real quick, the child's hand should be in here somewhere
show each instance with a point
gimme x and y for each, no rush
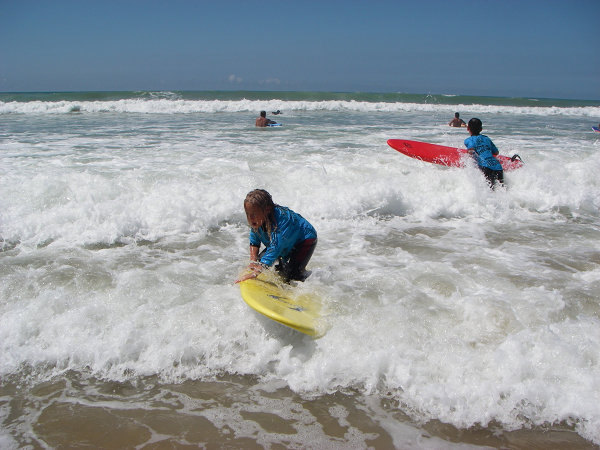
(255, 269)
(248, 276)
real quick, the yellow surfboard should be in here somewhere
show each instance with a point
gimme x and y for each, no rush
(283, 304)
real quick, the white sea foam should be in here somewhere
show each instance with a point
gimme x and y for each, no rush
(170, 106)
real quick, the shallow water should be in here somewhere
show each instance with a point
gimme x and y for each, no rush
(455, 314)
(78, 411)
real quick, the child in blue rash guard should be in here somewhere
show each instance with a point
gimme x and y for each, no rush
(483, 149)
(287, 236)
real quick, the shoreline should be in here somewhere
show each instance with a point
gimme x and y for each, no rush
(239, 411)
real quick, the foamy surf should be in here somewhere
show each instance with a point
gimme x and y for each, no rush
(448, 303)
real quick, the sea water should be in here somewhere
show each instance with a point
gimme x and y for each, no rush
(456, 316)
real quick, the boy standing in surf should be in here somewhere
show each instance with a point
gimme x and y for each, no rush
(483, 149)
(287, 236)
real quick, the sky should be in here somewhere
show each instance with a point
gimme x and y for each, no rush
(506, 48)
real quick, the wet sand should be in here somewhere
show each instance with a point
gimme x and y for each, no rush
(75, 411)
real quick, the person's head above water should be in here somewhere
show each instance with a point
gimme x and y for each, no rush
(475, 126)
(259, 207)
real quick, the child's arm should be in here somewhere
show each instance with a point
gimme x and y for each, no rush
(255, 267)
(494, 149)
(253, 252)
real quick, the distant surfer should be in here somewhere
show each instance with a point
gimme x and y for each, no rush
(483, 149)
(288, 237)
(457, 121)
(262, 121)
(275, 113)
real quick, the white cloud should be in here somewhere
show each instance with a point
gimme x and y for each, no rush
(233, 79)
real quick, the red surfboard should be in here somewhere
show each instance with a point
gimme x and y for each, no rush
(445, 156)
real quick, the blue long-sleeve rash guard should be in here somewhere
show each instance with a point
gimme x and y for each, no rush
(289, 229)
(484, 151)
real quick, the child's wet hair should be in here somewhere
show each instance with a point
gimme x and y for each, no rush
(475, 125)
(263, 200)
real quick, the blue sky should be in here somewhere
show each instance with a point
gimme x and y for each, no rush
(505, 48)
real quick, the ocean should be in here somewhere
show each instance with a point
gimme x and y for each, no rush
(457, 317)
